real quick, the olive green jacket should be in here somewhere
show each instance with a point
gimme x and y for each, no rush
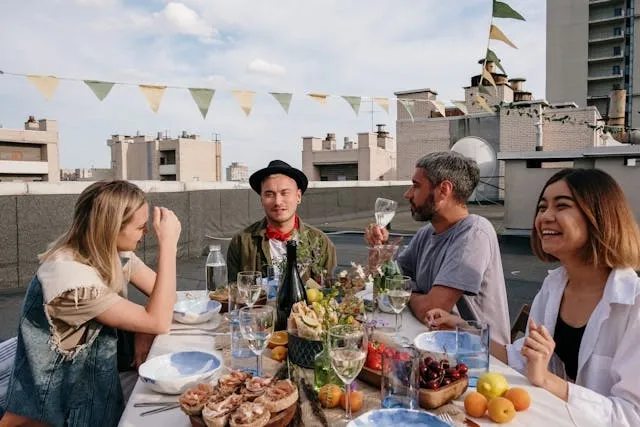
(249, 250)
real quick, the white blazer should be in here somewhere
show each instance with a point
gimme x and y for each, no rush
(606, 388)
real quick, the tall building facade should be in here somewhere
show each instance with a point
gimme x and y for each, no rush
(186, 158)
(237, 171)
(30, 154)
(591, 49)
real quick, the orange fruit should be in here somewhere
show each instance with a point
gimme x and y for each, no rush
(475, 404)
(329, 395)
(279, 353)
(278, 338)
(501, 410)
(356, 399)
(519, 397)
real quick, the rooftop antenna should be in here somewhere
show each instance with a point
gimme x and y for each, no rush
(373, 113)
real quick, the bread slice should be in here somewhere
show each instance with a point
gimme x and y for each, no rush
(193, 400)
(250, 414)
(216, 414)
(279, 396)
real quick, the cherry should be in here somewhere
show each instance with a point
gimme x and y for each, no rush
(462, 368)
(433, 384)
(454, 374)
(428, 360)
(432, 375)
(446, 381)
(445, 365)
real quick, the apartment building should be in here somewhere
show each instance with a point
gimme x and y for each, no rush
(30, 154)
(237, 171)
(371, 158)
(186, 158)
(591, 49)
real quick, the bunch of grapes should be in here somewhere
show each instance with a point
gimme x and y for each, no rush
(435, 374)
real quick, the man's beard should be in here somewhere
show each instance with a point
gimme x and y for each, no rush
(426, 211)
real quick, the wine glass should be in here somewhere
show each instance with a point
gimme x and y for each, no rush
(249, 286)
(385, 210)
(397, 295)
(347, 351)
(256, 326)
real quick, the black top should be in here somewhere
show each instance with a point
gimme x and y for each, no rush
(568, 341)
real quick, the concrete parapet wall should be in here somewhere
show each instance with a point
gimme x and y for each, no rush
(34, 214)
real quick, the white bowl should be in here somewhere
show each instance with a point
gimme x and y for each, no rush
(192, 311)
(438, 344)
(173, 373)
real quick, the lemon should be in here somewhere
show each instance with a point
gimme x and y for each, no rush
(310, 321)
(492, 385)
(313, 295)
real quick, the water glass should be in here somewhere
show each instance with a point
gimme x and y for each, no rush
(256, 325)
(249, 286)
(400, 378)
(472, 342)
(270, 281)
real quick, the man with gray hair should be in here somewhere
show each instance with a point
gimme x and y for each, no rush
(455, 259)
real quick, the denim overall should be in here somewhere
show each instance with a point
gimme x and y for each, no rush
(82, 389)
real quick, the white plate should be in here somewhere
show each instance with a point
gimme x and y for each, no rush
(173, 373)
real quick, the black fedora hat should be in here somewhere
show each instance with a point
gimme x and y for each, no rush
(278, 167)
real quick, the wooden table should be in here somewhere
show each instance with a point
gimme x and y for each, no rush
(546, 409)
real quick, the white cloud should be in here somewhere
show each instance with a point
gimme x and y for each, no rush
(261, 66)
(185, 20)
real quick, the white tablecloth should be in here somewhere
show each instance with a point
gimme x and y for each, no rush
(546, 409)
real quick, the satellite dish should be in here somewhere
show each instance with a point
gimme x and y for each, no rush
(479, 150)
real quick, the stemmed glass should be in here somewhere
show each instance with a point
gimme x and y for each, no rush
(347, 351)
(249, 286)
(397, 295)
(256, 326)
(385, 210)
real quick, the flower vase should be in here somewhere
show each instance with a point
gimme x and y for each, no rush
(323, 372)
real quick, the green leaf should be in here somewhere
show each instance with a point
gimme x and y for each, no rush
(491, 56)
(503, 10)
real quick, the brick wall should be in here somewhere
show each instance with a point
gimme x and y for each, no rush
(415, 139)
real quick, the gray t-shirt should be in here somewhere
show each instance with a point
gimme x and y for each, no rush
(464, 257)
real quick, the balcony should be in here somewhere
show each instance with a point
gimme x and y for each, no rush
(603, 77)
(167, 169)
(603, 2)
(607, 39)
(606, 20)
(606, 59)
(19, 167)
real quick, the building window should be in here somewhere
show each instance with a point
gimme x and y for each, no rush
(616, 69)
(617, 31)
(16, 155)
(617, 11)
(616, 51)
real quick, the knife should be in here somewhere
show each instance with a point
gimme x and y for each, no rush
(471, 423)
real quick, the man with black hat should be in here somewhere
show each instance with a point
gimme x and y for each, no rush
(280, 187)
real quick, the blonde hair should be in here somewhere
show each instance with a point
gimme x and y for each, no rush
(613, 234)
(100, 212)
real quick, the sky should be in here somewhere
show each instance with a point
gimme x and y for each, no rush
(356, 48)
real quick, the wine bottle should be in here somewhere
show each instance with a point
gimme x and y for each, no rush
(292, 290)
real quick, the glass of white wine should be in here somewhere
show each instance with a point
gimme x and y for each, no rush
(256, 326)
(385, 210)
(347, 351)
(397, 295)
(249, 285)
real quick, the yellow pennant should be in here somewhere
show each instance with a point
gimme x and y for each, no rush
(320, 98)
(439, 105)
(481, 102)
(461, 106)
(496, 34)
(486, 75)
(383, 103)
(153, 94)
(46, 85)
(245, 99)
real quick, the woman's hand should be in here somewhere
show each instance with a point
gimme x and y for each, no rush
(166, 225)
(375, 235)
(537, 350)
(441, 319)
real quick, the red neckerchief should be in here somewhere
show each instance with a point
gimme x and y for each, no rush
(272, 233)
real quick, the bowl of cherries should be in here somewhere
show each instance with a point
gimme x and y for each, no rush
(441, 382)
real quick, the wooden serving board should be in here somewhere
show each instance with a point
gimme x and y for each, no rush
(370, 376)
(279, 419)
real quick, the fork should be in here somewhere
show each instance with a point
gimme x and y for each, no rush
(446, 418)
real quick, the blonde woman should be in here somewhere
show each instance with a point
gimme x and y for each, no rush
(65, 369)
(581, 342)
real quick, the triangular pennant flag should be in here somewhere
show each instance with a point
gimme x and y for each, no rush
(354, 101)
(99, 89)
(439, 105)
(245, 99)
(492, 57)
(482, 88)
(46, 85)
(503, 10)
(284, 99)
(496, 34)
(461, 106)
(481, 101)
(153, 94)
(319, 97)
(202, 98)
(408, 105)
(486, 75)
(382, 102)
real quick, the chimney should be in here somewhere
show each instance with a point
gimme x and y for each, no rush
(159, 136)
(490, 66)
(382, 133)
(330, 142)
(31, 124)
(617, 99)
(516, 83)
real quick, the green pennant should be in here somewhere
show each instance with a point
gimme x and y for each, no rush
(491, 56)
(354, 101)
(100, 89)
(202, 98)
(503, 10)
(284, 99)
(482, 88)
(408, 105)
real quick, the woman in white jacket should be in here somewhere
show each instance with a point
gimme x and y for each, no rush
(587, 313)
